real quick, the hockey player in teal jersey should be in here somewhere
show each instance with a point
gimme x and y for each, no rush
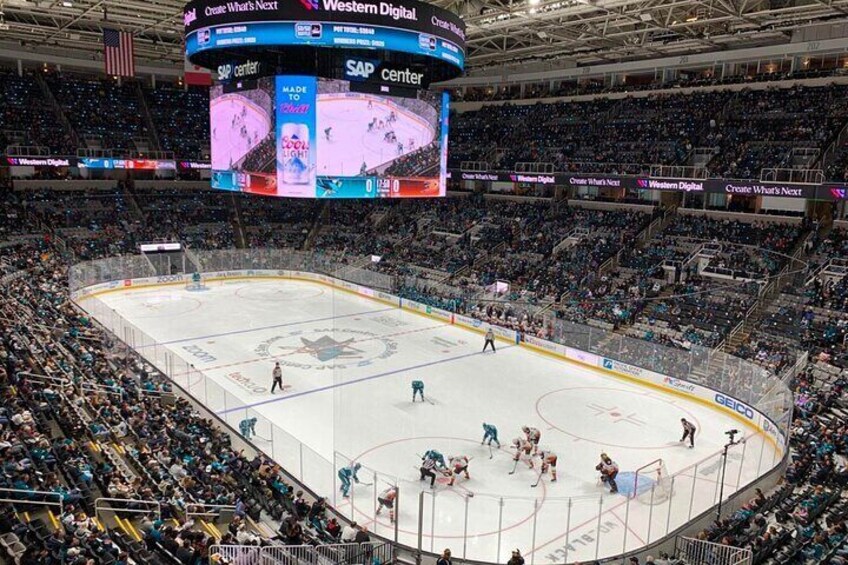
(490, 434)
(247, 427)
(417, 388)
(346, 474)
(437, 457)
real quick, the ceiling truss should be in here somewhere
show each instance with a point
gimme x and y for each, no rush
(500, 32)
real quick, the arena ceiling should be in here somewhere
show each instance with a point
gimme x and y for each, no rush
(499, 31)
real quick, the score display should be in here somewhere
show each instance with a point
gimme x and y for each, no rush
(308, 137)
(221, 28)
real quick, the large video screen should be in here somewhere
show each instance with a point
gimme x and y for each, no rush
(307, 137)
(404, 26)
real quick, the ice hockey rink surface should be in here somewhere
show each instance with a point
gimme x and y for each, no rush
(228, 115)
(350, 143)
(348, 362)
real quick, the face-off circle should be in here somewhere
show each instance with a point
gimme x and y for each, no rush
(164, 305)
(273, 292)
(627, 412)
(385, 455)
(327, 348)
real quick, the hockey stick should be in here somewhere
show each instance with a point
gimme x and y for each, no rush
(491, 453)
(366, 484)
(467, 492)
(514, 467)
(430, 401)
(539, 480)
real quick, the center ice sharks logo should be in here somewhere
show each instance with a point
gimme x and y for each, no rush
(327, 348)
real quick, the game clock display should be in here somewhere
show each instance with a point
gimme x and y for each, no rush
(305, 137)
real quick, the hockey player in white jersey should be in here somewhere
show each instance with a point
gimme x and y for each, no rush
(523, 452)
(458, 465)
(533, 435)
(386, 499)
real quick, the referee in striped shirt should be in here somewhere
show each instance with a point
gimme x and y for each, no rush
(689, 430)
(427, 466)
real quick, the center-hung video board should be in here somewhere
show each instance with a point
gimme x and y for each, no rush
(401, 26)
(308, 137)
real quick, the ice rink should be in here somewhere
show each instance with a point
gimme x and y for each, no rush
(350, 143)
(349, 362)
(229, 114)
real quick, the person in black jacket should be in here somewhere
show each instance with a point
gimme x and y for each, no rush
(362, 536)
(186, 554)
(516, 558)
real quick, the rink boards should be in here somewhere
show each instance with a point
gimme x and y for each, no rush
(745, 414)
(527, 383)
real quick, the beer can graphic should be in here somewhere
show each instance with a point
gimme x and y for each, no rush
(295, 153)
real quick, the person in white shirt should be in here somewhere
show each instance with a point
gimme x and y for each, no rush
(490, 340)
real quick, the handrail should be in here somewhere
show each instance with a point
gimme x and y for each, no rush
(60, 502)
(304, 554)
(215, 511)
(35, 377)
(156, 506)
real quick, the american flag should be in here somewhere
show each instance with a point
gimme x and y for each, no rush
(118, 53)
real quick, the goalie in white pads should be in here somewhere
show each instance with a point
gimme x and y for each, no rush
(386, 499)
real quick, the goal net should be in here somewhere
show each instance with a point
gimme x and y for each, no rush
(652, 483)
(196, 282)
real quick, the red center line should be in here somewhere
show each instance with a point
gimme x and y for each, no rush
(282, 355)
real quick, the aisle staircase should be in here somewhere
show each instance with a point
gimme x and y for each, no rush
(57, 108)
(769, 294)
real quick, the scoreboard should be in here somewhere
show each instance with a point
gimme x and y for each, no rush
(327, 98)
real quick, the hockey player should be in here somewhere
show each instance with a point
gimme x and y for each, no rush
(458, 465)
(523, 450)
(327, 132)
(609, 470)
(346, 474)
(549, 460)
(533, 436)
(247, 427)
(490, 433)
(437, 457)
(417, 388)
(387, 499)
(689, 430)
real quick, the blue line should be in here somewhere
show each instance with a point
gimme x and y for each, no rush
(270, 327)
(355, 381)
